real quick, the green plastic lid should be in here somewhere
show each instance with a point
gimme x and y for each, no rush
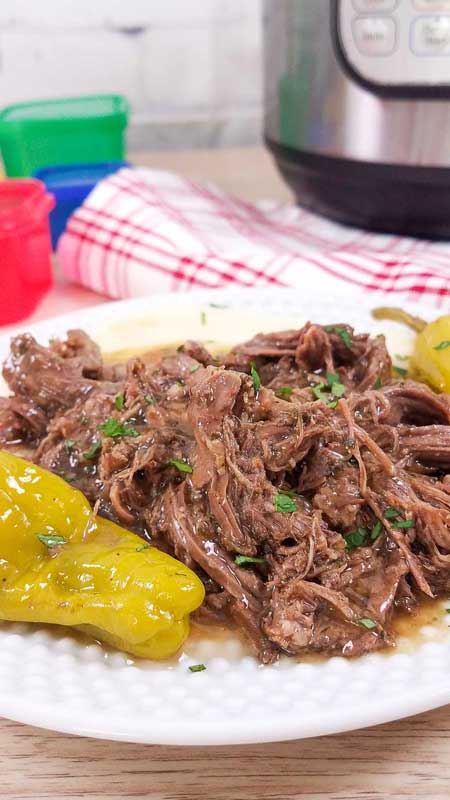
(67, 108)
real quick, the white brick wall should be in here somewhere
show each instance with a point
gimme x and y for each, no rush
(191, 69)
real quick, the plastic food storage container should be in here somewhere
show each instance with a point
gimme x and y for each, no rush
(69, 131)
(25, 248)
(70, 185)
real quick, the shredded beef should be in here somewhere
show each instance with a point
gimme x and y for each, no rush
(309, 517)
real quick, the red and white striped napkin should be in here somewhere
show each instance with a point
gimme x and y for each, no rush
(145, 231)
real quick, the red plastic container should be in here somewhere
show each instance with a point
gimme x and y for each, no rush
(25, 247)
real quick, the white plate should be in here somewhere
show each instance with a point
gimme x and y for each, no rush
(55, 681)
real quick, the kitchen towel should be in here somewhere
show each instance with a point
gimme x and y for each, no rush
(144, 231)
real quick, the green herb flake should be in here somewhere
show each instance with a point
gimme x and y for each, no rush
(93, 450)
(448, 610)
(330, 392)
(404, 523)
(150, 399)
(217, 305)
(342, 333)
(242, 561)
(391, 513)
(203, 318)
(368, 623)
(51, 539)
(318, 392)
(399, 357)
(68, 445)
(197, 668)
(255, 377)
(356, 539)
(376, 530)
(378, 383)
(401, 371)
(338, 389)
(194, 368)
(119, 401)
(285, 391)
(285, 504)
(142, 547)
(180, 465)
(442, 345)
(113, 429)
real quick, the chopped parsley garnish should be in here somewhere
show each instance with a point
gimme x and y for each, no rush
(119, 401)
(442, 345)
(68, 444)
(242, 561)
(194, 368)
(255, 377)
(282, 502)
(368, 623)
(142, 547)
(197, 668)
(51, 539)
(331, 391)
(217, 305)
(93, 450)
(362, 536)
(150, 399)
(114, 429)
(203, 318)
(338, 389)
(404, 523)
(342, 333)
(180, 465)
(399, 357)
(356, 539)
(318, 392)
(394, 514)
(391, 513)
(448, 610)
(376, 530)
(400, 371)
(378, 383)
(285, 391)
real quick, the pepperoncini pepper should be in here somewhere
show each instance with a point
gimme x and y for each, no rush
(62, 565)
(430, 360)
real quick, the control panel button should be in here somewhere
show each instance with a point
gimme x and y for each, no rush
(375, 5)
(375, 36)
(432, 5)
(431, 36)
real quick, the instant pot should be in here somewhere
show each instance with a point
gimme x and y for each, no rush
(358, 109)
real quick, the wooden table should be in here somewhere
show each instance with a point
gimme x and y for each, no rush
(407, 759)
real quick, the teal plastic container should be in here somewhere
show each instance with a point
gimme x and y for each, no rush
(71, 130)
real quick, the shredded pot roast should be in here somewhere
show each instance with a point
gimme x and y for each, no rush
(308, 489)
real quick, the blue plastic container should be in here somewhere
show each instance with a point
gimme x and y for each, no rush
(70, 184)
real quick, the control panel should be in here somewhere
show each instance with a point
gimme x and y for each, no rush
(396, 43)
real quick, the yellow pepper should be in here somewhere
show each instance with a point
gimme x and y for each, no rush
(61, 565)
(430, 360)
